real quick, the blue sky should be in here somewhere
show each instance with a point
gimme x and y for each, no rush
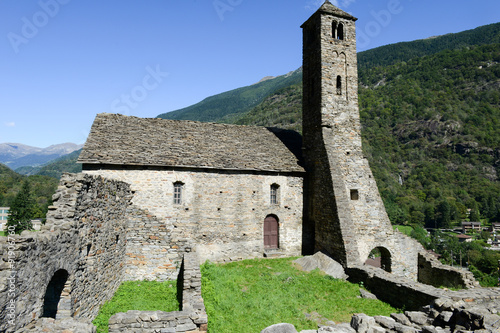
(64, 61)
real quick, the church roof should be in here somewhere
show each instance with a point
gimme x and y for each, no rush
(115, 139)
(328, 8)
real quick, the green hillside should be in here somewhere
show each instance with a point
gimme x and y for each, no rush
(391, 54)
(66, 163)
(42, 188)
(226, 106)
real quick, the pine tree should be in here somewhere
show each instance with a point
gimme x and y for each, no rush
(22, 210)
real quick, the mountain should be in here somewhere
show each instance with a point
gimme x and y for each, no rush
(227, 106)
(15, 155)
(54, 168)
(430, 115)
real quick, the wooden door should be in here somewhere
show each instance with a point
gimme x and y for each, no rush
(271, 233)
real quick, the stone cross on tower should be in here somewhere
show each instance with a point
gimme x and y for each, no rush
(343, 207)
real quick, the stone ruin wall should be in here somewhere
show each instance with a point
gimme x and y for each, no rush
(221, 216)
(84, 235)
(192, 316)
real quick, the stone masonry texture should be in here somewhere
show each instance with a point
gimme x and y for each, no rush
(342, 200)
(84, 236)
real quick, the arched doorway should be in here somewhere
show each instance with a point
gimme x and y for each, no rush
(57, 301)
(380, 257)
(271, 232)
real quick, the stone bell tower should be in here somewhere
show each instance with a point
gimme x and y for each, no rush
(343, 205)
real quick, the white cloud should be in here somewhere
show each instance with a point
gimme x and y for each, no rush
(10, 124)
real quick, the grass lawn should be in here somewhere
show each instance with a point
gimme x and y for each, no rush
(3, 233)
(405, 229)
(138, 295)
(250, 295)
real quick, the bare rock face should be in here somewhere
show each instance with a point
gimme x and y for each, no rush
(323, 263)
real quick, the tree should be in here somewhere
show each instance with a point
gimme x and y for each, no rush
(22, 210)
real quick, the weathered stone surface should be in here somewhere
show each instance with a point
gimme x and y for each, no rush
(280, 328)
(362, 323)
(401, 318)
(221, 217)
(417, 317)
(82, 244)
(323, 263)
(366, 294)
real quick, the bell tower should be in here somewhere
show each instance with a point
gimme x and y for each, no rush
(343, 208)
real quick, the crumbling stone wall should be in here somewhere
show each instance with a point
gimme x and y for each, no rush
(192, 317)
(405, 293)
(221, 216)
(84, 235)
(432, 272)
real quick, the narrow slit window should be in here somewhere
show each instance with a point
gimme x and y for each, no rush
(274, 194)
(340, 32)
(339, 85)
(178, 187)
(334, 30)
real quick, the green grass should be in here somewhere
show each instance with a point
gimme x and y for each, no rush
(405, 229)
(3, 233)
(250, 295)
(138, 295)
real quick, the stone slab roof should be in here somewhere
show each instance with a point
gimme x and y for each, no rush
(328, 8)
(123, 140)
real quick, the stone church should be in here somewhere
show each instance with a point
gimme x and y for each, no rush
(153, 190)
(230, 192)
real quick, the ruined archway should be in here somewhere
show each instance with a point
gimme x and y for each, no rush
(57, 299)
(380, 257)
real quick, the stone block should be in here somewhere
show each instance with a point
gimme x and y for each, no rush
(280, 328)
(362, 323)
(417, 317)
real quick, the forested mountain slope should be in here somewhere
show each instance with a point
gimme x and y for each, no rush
(225, 107)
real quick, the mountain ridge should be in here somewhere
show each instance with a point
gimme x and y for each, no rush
(16, 155)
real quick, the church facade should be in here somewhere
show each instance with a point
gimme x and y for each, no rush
(227, 192)
(230, 192)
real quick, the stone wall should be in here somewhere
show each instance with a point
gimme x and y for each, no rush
(405, 293)
(432, 272)
(192, 318)
(221, 216)
(83, 241)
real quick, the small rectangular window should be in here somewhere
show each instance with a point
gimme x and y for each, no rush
(178, 193)
(274, 194)
(354, 195)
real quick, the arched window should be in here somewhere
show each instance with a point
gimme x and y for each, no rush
(274, 194)
(334, 29)
(178, 189)
(340, 32)
(339, 85)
